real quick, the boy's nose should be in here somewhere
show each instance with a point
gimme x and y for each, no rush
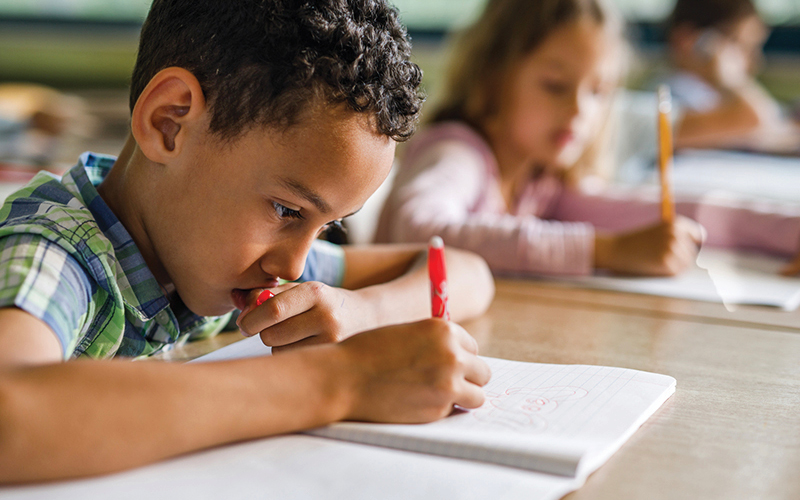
(287, 259)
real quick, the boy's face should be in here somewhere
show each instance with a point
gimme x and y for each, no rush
(748, 35)
(725, 54)
(242, 215)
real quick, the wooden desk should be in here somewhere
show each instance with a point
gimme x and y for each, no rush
(732, 429)
(766, 318)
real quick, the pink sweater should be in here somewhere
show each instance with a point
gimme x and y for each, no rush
(448, 185)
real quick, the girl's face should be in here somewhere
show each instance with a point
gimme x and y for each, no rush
(553, 102)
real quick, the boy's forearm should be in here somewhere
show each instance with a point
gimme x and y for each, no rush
(92, 417)
(407, 297)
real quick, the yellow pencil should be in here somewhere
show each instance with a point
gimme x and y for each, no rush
(665, 152)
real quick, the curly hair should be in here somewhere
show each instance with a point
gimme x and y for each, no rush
(263, 62)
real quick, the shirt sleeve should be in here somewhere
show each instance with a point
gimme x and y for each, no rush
(41, 278)
(442, 196)
(325, 263)
(765, 226)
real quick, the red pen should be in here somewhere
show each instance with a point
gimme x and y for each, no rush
(438, 276)
(263, 297)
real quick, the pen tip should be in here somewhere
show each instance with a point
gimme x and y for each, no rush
(436, 242)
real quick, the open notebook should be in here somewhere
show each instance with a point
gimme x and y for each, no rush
(565, 420)
(722, 276)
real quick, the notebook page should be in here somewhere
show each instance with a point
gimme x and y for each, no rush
(298, 467)
(720, 276)
(559, 419)
(246, 348)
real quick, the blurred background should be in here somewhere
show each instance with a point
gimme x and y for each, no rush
(85, 49)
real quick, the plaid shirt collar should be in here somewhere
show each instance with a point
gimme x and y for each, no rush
(142, 294)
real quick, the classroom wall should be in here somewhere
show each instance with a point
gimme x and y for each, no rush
(92, 43)
(87, 47)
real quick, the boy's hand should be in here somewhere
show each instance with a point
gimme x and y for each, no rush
(664, 249)
(729, 66)
(304, 314)
(413, 372)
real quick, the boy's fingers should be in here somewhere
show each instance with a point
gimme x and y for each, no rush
(308, 341)
(281, 307)
(477, 371)
(470, 396)
(291, 331)
(465, 340)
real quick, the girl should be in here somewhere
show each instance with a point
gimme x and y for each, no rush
(522, 121)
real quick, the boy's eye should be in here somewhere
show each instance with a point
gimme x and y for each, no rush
(286, 212)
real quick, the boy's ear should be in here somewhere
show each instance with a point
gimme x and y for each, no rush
(170, 107)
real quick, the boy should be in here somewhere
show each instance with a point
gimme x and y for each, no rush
(254, 126)
(715, 46)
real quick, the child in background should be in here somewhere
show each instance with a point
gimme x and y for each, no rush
(715, 47)
(34, 122)
(255, 125)
(520, 124)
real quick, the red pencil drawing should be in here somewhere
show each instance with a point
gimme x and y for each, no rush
(525, 409)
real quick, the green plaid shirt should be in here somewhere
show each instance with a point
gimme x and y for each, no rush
(66, 259)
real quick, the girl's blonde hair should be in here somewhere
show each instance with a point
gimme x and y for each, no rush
(508, 30)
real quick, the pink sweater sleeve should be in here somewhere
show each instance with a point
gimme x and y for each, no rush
(443, 190)
(765, 226)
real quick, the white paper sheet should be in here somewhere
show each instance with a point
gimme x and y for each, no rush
(301, 467)
(722, 276)
(560, 419)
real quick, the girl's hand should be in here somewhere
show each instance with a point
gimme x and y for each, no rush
(304, 314)
(411, 373)
(664, 249)
(793, 269)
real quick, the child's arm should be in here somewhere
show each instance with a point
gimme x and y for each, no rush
(724, 126)
(746, 115)
(766, 226)
(90, 417)
(394, 279)
(452, 178)
(383, 285)
(449, 190)
(661, 249)
(583, 231)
